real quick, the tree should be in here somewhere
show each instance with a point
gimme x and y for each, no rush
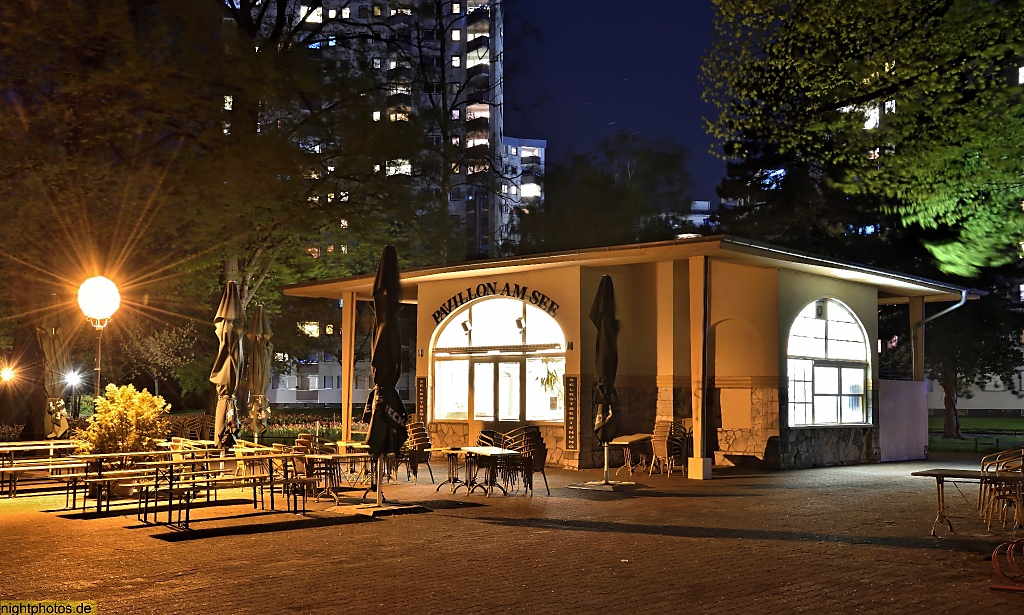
(172, 149)
(628, 189)
(906, 102)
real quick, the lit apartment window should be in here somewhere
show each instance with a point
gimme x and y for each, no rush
(332, 41)
(332, 13)
(376, 116)
(871, 118)
(456, 8)
(456, 140)
(399, 166)
(346, 13)
(456, 35)
(343, 223)
(392, 64)
(456, 61)
(890, 106)
(456, 114)
(399, 116)
(504, 188)
(377, 10)
(1020, 75)
(475, 142)
(475, 58)
(531, 191)
(376, 63)
(228, 102)
(311, 15)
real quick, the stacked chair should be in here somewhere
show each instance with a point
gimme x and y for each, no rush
(996, 498)
(414, 451)
(533, 455)
(671, 444)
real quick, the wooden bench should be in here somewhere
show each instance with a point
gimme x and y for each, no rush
(9, 474)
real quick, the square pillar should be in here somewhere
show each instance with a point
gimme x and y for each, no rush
(665, 294)
(917, 336)
(348, 361)
(699, 466)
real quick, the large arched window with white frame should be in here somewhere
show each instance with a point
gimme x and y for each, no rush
(499, 360)
(828, 366)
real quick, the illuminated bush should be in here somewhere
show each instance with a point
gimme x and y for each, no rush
(125, 420)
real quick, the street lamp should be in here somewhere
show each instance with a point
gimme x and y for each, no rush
(99, 299)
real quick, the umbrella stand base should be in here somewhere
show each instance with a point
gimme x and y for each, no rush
(600, 485)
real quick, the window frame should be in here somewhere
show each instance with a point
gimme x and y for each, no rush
(807, 407)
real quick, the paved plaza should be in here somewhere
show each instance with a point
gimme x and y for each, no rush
(830, 540)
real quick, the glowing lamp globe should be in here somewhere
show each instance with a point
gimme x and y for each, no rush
(73, 379)
(7, 374)
(99, 299)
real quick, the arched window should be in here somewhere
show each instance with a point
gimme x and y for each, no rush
(827, 361)
(499, 359)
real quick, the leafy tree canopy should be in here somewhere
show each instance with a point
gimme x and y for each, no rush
(911, 102)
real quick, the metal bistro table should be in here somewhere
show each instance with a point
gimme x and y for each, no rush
(452, 453)
(943, 475)
(334, 473)
(627, 443)
(489, 458)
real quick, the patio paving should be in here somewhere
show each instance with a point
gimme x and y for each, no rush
(830, 540)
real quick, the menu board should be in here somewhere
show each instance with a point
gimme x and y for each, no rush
(572, 412)
(421, 399)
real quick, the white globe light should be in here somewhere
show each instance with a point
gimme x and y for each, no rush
(99, 299)
(73, 378)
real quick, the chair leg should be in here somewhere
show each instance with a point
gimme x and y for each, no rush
(548, 489)
(431, 472)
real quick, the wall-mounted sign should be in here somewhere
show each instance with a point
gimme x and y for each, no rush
(572, 412)
(421, 399)
(496, 289)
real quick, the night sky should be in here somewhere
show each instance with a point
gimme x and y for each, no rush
(581, 70)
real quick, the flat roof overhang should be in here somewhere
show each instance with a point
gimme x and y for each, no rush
(893, 287)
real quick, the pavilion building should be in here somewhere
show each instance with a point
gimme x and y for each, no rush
(770, 354)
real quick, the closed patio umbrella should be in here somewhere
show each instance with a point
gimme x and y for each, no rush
(259, 334)
(387, 432)
(602, 314)
(228, 323)
(55, 369)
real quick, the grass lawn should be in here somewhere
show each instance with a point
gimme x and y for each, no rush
(980, 425)
(982, 435)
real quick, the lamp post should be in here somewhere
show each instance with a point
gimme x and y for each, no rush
(99, 299)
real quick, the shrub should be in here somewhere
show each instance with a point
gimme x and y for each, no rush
(125, 420)
(10, 432)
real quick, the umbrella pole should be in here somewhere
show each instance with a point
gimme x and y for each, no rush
(606, 464)
(379, 478)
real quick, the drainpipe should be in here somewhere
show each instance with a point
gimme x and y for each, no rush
(920, 325)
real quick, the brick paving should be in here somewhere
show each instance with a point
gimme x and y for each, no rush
(831, 540)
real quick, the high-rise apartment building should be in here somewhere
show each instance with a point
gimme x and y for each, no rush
(439, 64)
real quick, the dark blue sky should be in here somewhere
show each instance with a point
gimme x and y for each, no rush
(578, 71)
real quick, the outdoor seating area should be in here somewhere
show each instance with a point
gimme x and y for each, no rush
(1000, 500)
(166, 483)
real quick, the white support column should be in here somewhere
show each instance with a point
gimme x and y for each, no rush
(917, 337)
(699, 466)
(665, 357)
(348, 362)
